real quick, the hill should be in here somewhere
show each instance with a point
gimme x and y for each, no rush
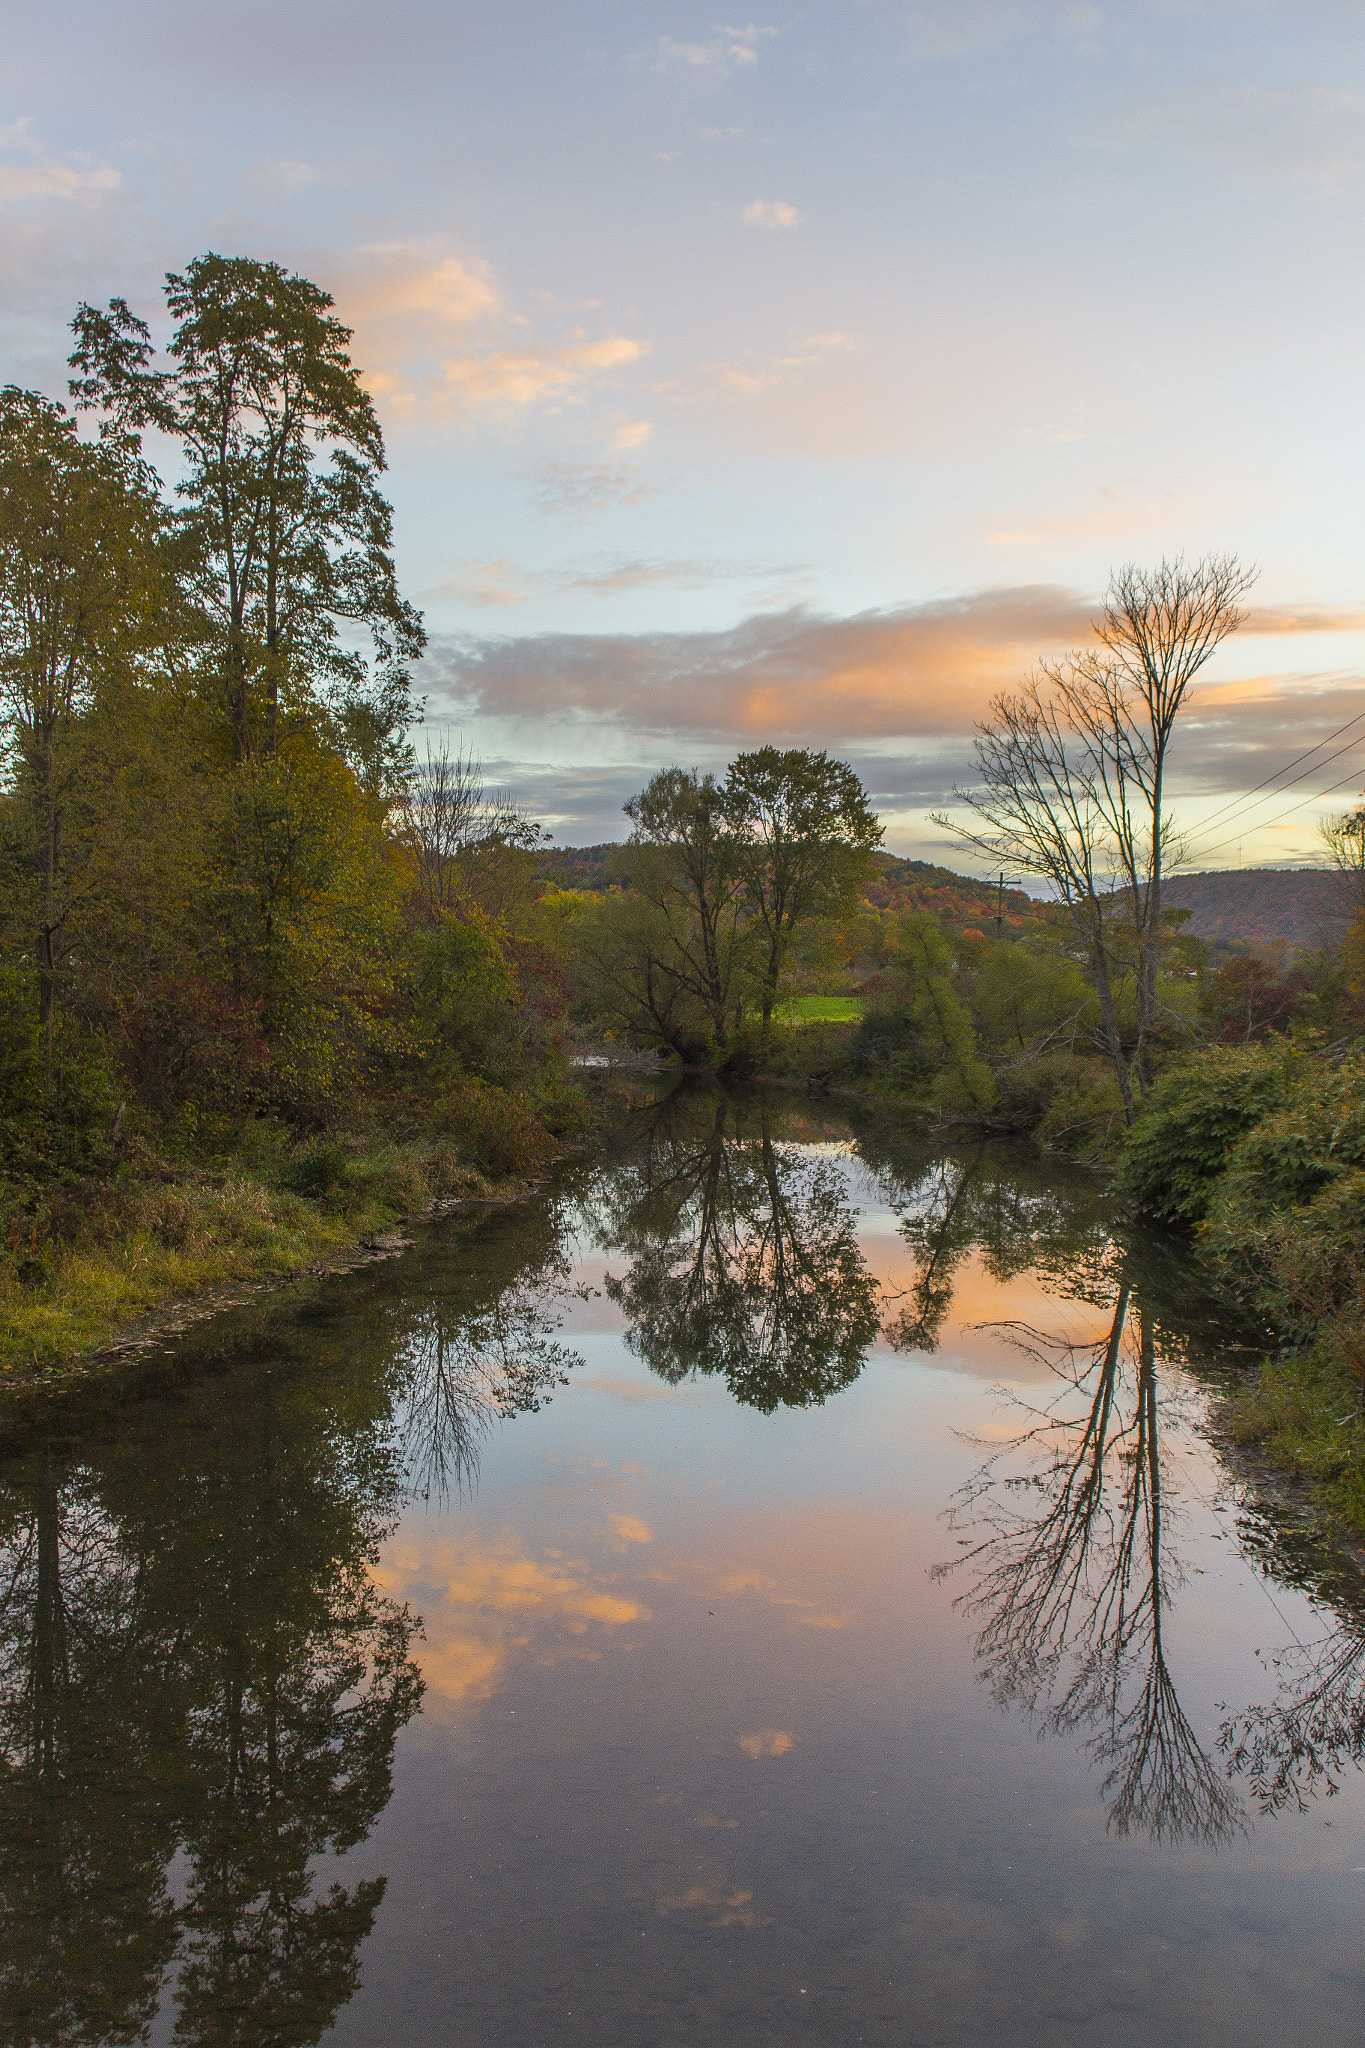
(1245, 908)
(959, 900)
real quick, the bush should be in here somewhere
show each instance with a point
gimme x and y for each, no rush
(498, 1133)
(1070, 1103)
(1186, 1130)
(1287, 1219)
(317, 1168)
(892, 1045)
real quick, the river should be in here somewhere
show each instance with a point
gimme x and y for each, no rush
(777, 1587)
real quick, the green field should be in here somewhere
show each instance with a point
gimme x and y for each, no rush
(819, 1010)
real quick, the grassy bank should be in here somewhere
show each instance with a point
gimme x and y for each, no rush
(1259, 1152)
(1301, 1415)
(103, 1250)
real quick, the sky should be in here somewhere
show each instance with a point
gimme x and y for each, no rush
(796, 379)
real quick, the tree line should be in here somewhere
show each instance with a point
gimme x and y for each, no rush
(218, 895)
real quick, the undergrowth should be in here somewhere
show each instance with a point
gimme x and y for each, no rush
(1303, 1413)
(82, 1257)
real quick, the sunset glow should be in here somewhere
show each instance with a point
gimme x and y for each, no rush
(797, 379)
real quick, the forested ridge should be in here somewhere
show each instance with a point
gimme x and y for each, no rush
(1301, 909)
(895, 883)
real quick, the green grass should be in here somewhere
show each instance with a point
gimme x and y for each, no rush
(106, 1251)
(144, 1243)
(1304, 1414)
(819, 1010)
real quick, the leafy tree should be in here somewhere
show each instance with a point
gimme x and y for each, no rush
(1250, 998)
(804, 839)
(626, 958)
(306, 900)
(281, 553)
(79, 570)
(919, 1026)
(687, 871)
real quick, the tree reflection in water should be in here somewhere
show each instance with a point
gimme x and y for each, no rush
(200, 1683)
(1070, 1554)
(1313, 1731)
(744, 1255)
(1073, 1579)
(1016, 1214)
(468, 1372)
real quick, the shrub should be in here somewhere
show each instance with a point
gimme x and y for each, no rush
(1189, 1125)
(1069, 1102)
(498, 1133)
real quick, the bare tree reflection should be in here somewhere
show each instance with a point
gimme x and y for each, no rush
(468, 1371)
(744, 1256)
(1073, 1581)
(1313, 1732)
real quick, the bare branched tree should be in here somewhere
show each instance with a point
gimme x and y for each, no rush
(1344, 839)
(463, 837)
(1072, 778)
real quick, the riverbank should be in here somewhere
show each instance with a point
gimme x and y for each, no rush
(1300, 1419)
(149, 1235)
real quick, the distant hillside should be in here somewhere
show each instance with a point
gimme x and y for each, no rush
(1250, 907)
(581, 867)
(959, 900)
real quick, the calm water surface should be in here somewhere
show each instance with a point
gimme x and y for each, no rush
(776, 1590)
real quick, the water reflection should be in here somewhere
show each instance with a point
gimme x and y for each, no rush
(467, 1371)
(744, 1254)
(204, 1670)
(201, 1683)
(1073, 1575)
(198, 1670)
(1311, 1735)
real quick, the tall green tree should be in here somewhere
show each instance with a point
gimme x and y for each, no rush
(688, 873)
(290, 558)
(80, 528)
(802, 838)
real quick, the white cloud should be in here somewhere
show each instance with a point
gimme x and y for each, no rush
(49, 177)
(285, 175)
(771, 213)
(480, 584)
(918, 670)
(633, 434)
(435, 339)
(730, 49)
(52, 180)
(813, 350)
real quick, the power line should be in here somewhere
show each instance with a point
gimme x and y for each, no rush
(1245, 795)
(1298, 778)
(1266, 823)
